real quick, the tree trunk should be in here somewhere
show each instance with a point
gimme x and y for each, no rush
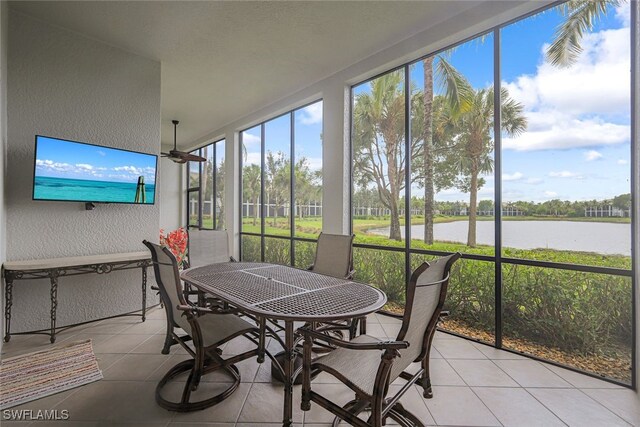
(428, 150)
(473, 203)
(394, 228)
(255, 213)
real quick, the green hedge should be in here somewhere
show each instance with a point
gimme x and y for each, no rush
(584, 313)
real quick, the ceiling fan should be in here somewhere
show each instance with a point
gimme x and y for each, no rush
(177, 156)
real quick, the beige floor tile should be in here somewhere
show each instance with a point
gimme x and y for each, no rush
(413, 402)
(459, 406)
(265, 403)
(120, 343)
(457, 349)
(239, 345)
(386, 320)
(482, 373)
(149, 326)
(126, 401)
(337, 393)
(152, 345)
(575, 408)
(622, 402)
(226, 411)
(109, 327)
(442, 373)
(531, 373)
(516, 407)
(134, 367)
(170, 360)
(391, 329)
(579, 380)
(105, 360)
(376, 330)
(494, 353)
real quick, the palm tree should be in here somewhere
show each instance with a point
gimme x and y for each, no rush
(251, 187)
(379, 142)
(475, 142)
(580, 16)
(458, 94)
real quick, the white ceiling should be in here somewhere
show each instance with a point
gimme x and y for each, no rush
(224, 60)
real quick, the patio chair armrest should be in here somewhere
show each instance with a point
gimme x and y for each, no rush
(194, 308)
(381, 345)
(208, 310)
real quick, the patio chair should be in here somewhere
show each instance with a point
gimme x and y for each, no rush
(368, 365)
(334, 257)
(208, 328)
(206, 247)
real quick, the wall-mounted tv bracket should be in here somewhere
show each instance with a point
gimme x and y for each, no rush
(89, 206)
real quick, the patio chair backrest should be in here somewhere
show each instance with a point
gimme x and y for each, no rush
(426, 293)
(208, 247)
(167, 275)
(334, 255)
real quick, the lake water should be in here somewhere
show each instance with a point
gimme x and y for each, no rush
(599, 237)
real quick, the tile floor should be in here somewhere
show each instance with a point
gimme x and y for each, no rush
(474, 385)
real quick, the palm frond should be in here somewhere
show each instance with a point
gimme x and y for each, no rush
(580, 17)
(457, 89)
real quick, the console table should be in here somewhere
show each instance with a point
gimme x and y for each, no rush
(54, 268)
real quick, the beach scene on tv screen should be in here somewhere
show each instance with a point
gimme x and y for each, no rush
(66, 170)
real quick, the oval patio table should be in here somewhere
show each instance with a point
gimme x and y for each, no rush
(278, 292)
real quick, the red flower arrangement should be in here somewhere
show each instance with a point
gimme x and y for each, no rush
(176, 241)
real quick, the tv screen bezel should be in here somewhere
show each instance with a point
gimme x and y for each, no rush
(35, 157)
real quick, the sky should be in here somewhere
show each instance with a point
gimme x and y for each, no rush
(65, 159)
(577, 143)
(307, 133)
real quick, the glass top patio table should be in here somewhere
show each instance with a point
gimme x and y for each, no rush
(279, 292)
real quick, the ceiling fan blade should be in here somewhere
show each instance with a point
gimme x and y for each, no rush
(192, 157)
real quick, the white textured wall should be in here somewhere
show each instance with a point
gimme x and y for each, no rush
(62, 84)
(172, 199)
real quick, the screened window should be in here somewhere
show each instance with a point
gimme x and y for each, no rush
(205, 194)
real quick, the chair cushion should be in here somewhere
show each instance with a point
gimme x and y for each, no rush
(217, 327)
(358, 367)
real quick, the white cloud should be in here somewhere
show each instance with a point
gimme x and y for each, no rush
(550, 194)
(534, 181)
(84, 166)
(249, 139)
(622, 162)
(252, 159)
(585, 105)
(554, 130)
(592, 155)
(315, 163)
(565, 174)
(512, 177)
(623, 14)
(102, 153)
(311, 114)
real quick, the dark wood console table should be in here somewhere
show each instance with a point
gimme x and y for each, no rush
(54, 268)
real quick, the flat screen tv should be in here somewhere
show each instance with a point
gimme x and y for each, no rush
(80, 172)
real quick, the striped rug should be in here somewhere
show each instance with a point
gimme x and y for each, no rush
(43, 373)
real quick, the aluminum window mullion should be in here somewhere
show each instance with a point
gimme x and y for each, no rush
(497, 173)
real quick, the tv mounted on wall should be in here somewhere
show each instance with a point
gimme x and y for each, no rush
(79, 172)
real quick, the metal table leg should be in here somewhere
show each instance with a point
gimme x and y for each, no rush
(8, 301)
(53, 275)
(144, 292)
(287, 418)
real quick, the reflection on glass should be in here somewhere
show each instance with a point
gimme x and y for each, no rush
(206, 186)
(277, 175)
(194, 207)
(452, 149)
(385, 270)
(251, 179)
(578, 319)
(305, 254)
(277, 251)
(566, 175)
(378, 160)
(194, 172)
(250, 248)
(308, 171)
(219, 176)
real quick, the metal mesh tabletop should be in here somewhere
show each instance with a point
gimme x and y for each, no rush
(283, 292)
